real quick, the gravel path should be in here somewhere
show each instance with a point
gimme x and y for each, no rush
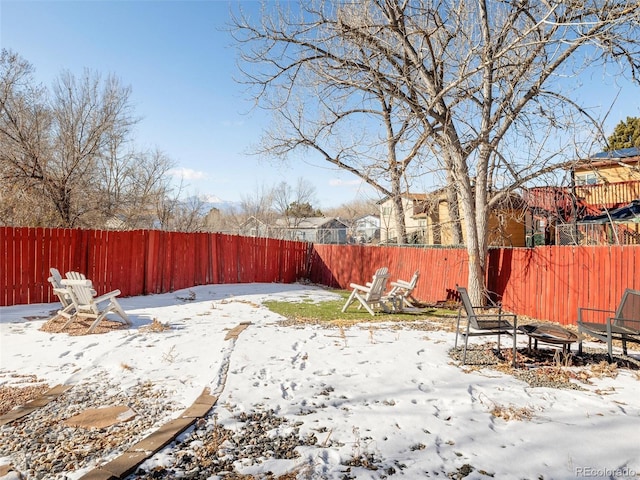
(43, 446)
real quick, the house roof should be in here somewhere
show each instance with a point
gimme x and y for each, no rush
(368, 215)
(252, 220)
(627, 214)
(410, 196)
(620, 153)
(311, 222)
(614, 157)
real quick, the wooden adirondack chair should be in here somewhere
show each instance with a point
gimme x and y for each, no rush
(605, 325)
(87, 305)
(59, 289)
(404, 290)
(484, 324)
(372, 295)
(76, 276)
(80, 276)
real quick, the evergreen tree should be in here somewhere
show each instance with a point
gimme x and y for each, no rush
(625, 135)
(302, 210)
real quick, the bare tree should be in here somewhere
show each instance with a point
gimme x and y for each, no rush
(228, 220)
(258, 205)
(483, 85)
(86, 113)
(189, 215)
(292, 204)
(51, 144)
(24, 121)
(136, 188)
(174, 211)
(331, 100)
(67, 159)
(354, 209)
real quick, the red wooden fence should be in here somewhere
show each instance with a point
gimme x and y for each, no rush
(440, 268)
(546, 283)
(552, 282)
(140, 262)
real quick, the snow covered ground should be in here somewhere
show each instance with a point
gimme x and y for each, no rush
(391, 397)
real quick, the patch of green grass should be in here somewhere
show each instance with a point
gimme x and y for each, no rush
(330, 311)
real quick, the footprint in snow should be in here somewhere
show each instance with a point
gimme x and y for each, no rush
(285, 391)
(299, 358)
(425, 388)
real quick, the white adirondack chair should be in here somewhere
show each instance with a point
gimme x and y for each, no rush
(404, 290)
(80, 276)
(87, 305)
(76, 276)
(59, 289)
(371, 295)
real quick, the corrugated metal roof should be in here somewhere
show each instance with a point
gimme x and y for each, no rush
(620, 153)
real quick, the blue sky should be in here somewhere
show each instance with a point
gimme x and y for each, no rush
(180, 64)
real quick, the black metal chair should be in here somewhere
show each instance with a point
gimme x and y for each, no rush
(495, 323)
(623, 325)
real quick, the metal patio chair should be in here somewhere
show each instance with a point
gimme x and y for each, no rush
(482, 324)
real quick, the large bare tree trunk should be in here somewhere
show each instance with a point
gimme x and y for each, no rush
(454, 212)
(401, 229)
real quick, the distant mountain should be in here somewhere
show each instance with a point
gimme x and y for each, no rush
(209, 198)
(213, 201)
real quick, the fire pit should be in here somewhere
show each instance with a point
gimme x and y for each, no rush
(550, 334)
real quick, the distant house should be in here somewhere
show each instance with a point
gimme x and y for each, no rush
(116, 222)
(576, 214)
(312, 229)
(608, 187)
(253, 227)
(415, 227)
(131, 222)
(609, 179)
(506, 223)
(428, 222)
(365, 229)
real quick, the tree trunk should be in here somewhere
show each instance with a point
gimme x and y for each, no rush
(475, 228)
(476, 276)
(476, 285)
(401, 228)
(454, 211)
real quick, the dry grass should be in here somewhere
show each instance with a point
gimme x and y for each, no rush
(511, 412)
(507, 412)
(237, 300)
(155, 326)
(80, 326)
(604, 369)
